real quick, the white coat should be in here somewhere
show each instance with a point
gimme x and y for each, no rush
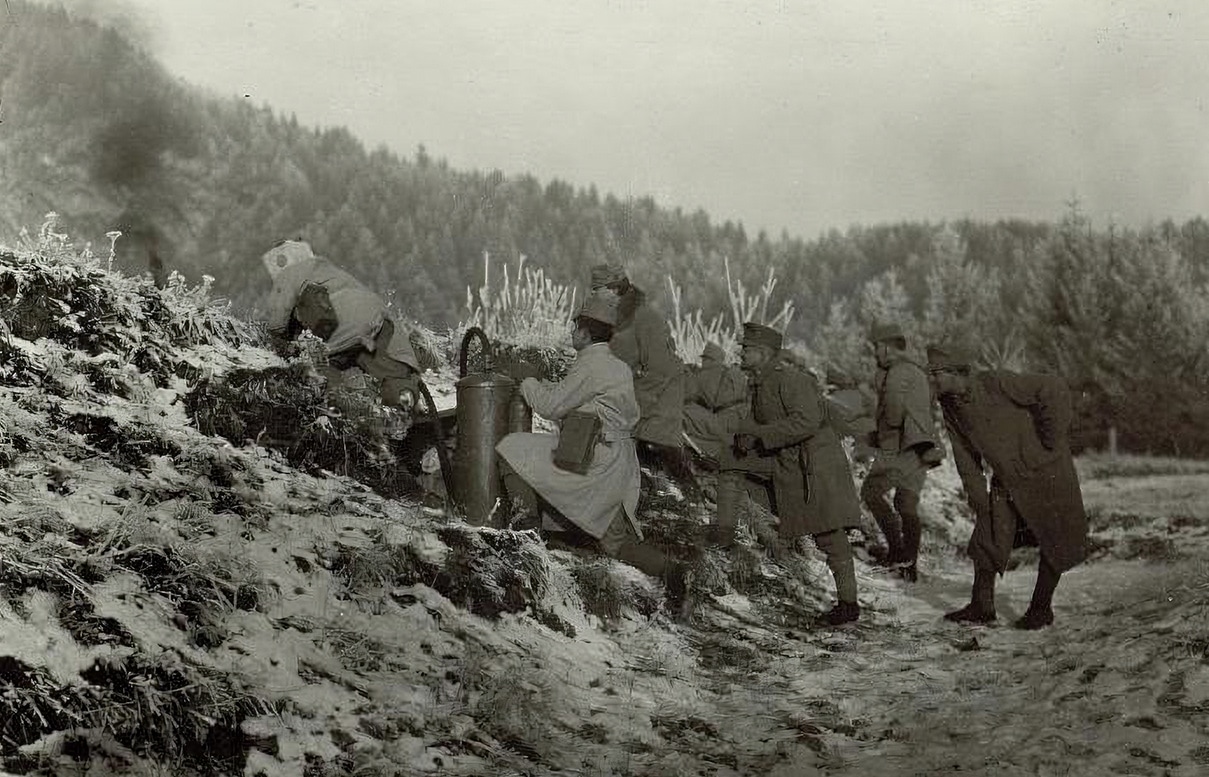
(360, 312)
(598, 382)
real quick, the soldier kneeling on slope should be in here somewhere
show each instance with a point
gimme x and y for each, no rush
(598, 495)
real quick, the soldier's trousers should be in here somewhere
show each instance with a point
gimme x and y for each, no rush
(751, 475)
(903, 473)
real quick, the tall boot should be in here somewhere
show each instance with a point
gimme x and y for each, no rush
(1040, 611)
(838, 552)
(906, 502)
(981, 608)
(874, 498)
(730, 494)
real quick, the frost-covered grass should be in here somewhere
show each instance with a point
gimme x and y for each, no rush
(1105, 466)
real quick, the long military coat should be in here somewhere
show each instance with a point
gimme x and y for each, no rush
(812, 482)
(1016, 427)
(643, 340)
(600, 383)
(715, 402)
(904, 407)
(359, 312)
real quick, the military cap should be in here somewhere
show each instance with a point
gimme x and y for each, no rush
(881, 333)
(604, 274)
(600, 306)
(948, 358)
(713, 352)
(286, 253)
(758, 334)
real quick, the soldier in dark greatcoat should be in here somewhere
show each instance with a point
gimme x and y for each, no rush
(643, 340)
(1014, 428)
(905, 448)
(787, 440)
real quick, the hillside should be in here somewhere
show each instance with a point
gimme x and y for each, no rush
(179, 603)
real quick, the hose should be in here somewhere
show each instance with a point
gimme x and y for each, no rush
(442, 453)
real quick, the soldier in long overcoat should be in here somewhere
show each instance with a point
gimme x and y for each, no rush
(786, 439)
(643, 340)
(1015, 428)
(905, 448)
(312, 293)
(602, 502)
(715, 399)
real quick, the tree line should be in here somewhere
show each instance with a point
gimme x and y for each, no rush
(95, 129)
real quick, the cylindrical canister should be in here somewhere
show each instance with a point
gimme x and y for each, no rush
(483, 420)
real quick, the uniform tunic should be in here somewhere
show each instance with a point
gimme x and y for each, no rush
(904, 426)
(600, 383)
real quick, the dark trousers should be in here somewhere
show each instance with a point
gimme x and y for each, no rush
(903, 474)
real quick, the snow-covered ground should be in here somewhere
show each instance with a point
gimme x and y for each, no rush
(171, 603)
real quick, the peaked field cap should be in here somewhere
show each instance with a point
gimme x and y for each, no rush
(758, 334)
(948, 356)
(604, 274)
(286, 253)
(880, 333)
(713, 351)
(600, 306)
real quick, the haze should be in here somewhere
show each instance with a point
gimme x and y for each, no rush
(795, 116)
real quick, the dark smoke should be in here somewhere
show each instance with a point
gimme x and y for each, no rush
(130, 148)
(146, 125)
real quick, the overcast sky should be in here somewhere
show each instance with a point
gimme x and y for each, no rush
(793, 114)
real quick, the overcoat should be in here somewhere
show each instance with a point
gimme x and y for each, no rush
(812, 482)
(715, 402)
(1016, 429)
(643, 340)
(597, 382)
(359, 312)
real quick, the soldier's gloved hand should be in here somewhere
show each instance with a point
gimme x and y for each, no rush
(745, 443)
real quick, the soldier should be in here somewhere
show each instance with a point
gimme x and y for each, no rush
(715, 401)
(905, 447)
(602, 502)
(643, 341)
(786, 440)
(312, 293)
(1015, 428)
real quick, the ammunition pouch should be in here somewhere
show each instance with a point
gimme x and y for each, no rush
(577, 438)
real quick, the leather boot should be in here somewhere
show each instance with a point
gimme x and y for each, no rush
(888, 522)
(906, 503)
(981, 608)
(841, 614)
(1040, 611)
